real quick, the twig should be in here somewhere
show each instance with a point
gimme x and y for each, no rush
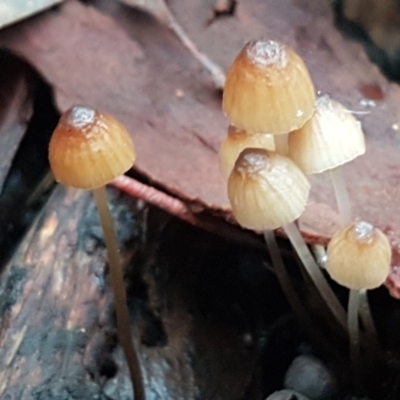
(180, 209)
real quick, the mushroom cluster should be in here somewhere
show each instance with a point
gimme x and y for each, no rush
(280, 132)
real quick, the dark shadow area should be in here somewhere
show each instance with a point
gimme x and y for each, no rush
(388, 62)
(28, 182)
(217, 306)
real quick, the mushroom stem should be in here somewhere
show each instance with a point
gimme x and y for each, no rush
(354, 330)
(282, 144)
(117, 282)
(300, 312)
(341, 194)
(365, 313)
(369, 325)
(284, 280)
(315, 273)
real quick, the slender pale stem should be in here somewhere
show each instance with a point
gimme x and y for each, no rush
(315, 273)
(117, 282)
(365, 314)
(354, 329)
(371, 335)
(341, 194)
(292, 296)
(281, 144)
(284, 280)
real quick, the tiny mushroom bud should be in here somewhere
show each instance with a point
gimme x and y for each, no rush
(89, 149)
(359, 257)
(236, 141)
(266, 191)
(268, 89)
(329, 139)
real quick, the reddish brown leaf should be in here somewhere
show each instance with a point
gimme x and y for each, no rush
(134, 69)
(160, 10)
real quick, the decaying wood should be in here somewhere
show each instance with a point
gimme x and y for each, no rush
(57, 331)
(55, 313)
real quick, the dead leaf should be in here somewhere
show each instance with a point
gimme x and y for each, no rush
(222, 8)
(132, 69)
(157, 8)
(160, 10)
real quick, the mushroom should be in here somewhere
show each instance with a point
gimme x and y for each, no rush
(267, 191)
(89, 149)
(329, 139)
(359, 258)
(236, 141)
(268, 90)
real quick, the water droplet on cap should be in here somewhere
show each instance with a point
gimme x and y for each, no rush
(363, 230)
(81, 116)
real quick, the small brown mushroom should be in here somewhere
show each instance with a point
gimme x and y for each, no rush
(268, 90)
(89, 149)
(359, 258)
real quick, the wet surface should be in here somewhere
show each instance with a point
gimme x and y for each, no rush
(207, 313)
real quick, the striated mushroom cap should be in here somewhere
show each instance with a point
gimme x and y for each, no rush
(330, 138)
(266, 190)
(359, 256)
(89, 149)
(268, 89)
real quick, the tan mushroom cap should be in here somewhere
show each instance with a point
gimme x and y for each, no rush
(266, 190)
(236, 141)
(268, 89)
(330, 138)
(89, 149)
(359, 256)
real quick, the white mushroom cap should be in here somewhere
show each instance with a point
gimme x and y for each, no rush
(330, 138)
(266, 190)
